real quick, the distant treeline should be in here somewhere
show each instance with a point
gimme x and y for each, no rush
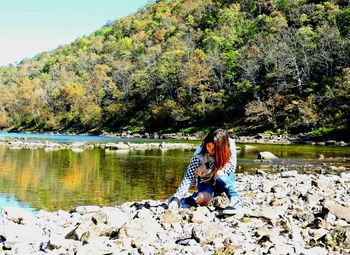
(246, 65)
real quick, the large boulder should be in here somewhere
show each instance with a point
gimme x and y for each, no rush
(341, 212)
(266, 155)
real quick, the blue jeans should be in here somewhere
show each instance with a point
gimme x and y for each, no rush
(225, 183)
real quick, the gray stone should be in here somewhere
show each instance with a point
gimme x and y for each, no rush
(206, 232)
(86, 209)
(96, 249)
(144, 231)
(338, 237)
(341, 212)
(200, 215)
(316, 250)
(345, 176)
(17, 215)
(266, 155)
(170, 216)
(289, 174)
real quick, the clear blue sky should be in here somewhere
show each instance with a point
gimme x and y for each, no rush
(28, 27)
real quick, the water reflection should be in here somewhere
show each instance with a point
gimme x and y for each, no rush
(11, 200)
(63, 179)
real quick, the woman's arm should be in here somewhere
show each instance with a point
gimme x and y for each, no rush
(189, 176)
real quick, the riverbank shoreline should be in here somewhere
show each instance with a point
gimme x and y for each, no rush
(283, 213)
(133, 141)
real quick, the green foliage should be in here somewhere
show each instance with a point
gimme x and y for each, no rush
(268, 65)
(320, 131)
(343, 22)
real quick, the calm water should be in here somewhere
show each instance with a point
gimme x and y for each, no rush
(35, 179)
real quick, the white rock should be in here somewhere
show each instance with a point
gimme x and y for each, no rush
(316, 250)
(289, 174)
(266, 155)
(87, 209)
(17, 215)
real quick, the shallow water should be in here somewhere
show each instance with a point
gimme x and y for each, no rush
(64, 179)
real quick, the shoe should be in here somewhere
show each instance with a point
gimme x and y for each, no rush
(233, 206)
(235, 203)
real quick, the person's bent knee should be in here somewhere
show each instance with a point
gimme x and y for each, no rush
(204, 198)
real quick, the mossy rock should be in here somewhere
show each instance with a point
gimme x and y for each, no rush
(339, 237)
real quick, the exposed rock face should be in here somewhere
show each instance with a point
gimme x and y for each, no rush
(285, 213)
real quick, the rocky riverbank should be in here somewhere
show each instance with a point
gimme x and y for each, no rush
(284, 213)
(48, 145)
(14, 143)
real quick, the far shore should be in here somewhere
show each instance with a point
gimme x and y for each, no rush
(176, 137)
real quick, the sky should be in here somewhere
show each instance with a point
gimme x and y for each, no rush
(28, 27)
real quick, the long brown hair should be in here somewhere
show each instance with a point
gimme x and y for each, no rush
(221, 141)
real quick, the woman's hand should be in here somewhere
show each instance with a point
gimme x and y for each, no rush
(200, 170)
(218, 174)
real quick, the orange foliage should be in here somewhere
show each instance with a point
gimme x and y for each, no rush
(73, 179)
(159, 35)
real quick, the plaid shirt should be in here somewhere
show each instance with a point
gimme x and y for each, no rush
(196, 161)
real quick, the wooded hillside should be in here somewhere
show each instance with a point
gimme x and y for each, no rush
(281, 65)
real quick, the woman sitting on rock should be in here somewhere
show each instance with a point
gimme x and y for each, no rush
(214, 164)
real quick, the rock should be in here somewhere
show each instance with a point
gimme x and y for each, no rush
(86, 209)
(275, 202)
(249, 147)
(331, 142)
(316, 250)
(270, 213)
(339, 237)
(170, 216)
(142, 231)
(220, 201)
(318, 233)
(336, 168)
(313, 199)
(96, 248)
(321, 184)
(341, 212)
(342, 143)
(345, 176)
(117, 146)
(146, 250)
(260, 172)
(266, 155)
(17, 215)
(267, 186)
(289, 174)
(280, 191)
(206, 232)
(295, 223)
(115, 219)
(200, 215)
(96, 225)
(229, 249)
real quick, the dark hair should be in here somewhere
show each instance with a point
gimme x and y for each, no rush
(221, 141)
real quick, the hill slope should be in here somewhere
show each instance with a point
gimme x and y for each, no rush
(248, 65)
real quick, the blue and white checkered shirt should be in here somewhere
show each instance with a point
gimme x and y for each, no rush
(196, 161)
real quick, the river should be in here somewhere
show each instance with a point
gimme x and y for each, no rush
(37, 179)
